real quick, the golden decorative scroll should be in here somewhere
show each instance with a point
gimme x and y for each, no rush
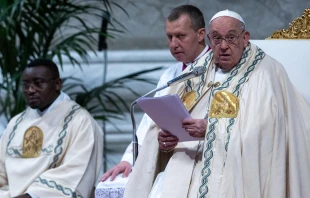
(188, 99)
(224, 105)
(33, 141)
(298, 29)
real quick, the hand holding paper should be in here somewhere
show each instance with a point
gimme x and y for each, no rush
(167, 112)
(195, 127)
(167, 141)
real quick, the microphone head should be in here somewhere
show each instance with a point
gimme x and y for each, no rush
(198, 71)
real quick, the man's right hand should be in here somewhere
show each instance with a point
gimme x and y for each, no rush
(123, 167)
(167, 141)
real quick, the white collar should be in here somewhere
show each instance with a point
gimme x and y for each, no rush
(62, 96)
(200, 55)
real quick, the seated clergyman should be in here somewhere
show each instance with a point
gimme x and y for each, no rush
(53, 148)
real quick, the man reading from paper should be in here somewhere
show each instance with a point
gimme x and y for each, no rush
(257, 136)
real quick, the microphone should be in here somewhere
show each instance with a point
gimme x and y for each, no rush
(197, 71)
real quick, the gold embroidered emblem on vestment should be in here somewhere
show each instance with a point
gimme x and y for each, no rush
(224, 105)
(33, 141)
(188, 99)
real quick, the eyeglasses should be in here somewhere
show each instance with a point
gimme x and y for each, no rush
(36, 84)
(231, 39)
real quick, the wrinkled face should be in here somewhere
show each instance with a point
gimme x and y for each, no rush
(184, 42)
(40, 87)
(224, 30)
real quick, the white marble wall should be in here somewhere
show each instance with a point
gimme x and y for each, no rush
(146, 22)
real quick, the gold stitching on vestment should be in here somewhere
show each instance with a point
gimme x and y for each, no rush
(224, 105)
(188, 99)
(32, 143)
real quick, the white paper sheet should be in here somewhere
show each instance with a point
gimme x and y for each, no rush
(167, 112)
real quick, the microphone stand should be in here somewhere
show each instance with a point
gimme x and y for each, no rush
(134, 135)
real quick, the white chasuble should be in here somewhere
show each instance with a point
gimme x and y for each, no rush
(64, 161)
(256, 144)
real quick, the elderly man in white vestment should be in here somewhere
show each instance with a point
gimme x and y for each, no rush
(53, 148)
(185, 29)
(256, 138)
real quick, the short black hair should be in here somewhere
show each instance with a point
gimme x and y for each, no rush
(193, 12)
(49, 64)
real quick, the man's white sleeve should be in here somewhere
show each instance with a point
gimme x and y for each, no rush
(4, 188)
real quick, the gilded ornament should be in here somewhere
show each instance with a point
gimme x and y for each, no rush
(224, 105)
(210, 84)
(188, 99)
(32, 143)
(298, 28)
